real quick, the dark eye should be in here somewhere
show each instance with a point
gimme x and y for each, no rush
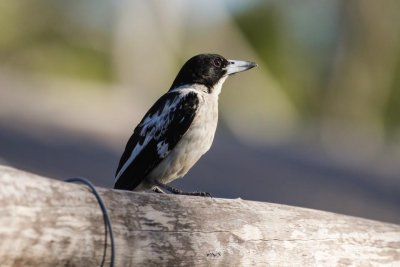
(217, 62)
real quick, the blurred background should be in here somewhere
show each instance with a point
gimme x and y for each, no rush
(316, 125)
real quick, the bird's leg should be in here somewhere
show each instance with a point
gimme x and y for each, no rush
(180, 192)
(156, 189)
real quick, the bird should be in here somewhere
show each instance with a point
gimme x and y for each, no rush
(178, 129)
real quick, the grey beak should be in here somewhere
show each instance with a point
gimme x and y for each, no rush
(236, 66)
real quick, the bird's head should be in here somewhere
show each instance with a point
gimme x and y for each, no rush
(209, 70)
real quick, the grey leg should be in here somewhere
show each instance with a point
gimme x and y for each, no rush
(156, 189)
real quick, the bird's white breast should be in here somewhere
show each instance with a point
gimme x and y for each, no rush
(193, 144)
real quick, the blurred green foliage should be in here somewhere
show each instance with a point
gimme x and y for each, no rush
(39, 37)
(320, 50)
(309, 47)
(296, 70)
(392, 109)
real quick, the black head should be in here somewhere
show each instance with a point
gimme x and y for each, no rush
(205, 69)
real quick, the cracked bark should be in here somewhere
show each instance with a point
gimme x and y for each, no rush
(45, 222)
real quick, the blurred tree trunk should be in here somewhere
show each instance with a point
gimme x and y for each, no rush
(362, 77)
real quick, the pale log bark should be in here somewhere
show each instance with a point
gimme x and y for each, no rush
(45, 222)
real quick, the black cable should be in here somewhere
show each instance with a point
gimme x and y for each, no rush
(106, 216)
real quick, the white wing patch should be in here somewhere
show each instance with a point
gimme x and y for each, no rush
(162, 149)
(157, 122)
(159, 118)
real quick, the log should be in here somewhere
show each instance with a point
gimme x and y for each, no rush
(45, 222)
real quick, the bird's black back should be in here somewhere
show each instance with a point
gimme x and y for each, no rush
(172, 124)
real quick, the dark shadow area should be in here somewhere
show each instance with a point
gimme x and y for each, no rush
(58, 155)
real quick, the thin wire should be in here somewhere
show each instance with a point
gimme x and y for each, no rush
(106, 216)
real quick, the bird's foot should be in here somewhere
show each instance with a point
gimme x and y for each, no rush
(201, 194)
(177, 191)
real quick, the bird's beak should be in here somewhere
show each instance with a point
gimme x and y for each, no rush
(236, 66)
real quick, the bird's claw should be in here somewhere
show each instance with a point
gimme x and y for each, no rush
(204, 194)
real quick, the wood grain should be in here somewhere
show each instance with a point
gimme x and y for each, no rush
(45, 222)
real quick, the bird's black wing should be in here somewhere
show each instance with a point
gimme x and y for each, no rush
(156, 135)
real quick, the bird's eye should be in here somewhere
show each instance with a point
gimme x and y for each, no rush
(217, 62)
